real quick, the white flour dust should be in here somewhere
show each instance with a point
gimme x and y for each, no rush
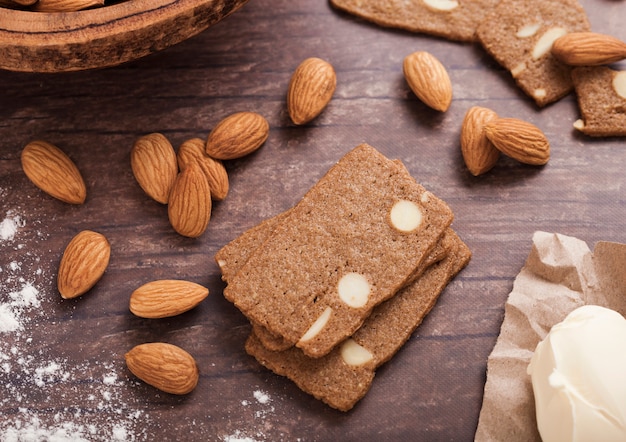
(261, 408)
(9, 226)
(34, 380)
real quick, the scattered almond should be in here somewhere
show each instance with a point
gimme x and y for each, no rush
(52, 171)
(479, 154)
(588, 49)
(311, 87)
(164, 366)
(428, 79)
(214, 170)
(154, 165)
(237, 135)
(165, 298)
(189, 208)
(519, 139)
(83, 263)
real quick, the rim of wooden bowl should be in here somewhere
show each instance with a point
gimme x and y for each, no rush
(102, 37)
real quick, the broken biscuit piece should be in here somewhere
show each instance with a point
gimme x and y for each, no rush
(519, 34)
(601, 94)
(451, 19)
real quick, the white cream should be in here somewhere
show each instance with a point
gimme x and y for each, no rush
(578, 375)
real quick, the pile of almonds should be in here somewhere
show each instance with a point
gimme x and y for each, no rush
(484, 135)
(189, 179)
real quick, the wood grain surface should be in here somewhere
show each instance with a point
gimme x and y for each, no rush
(432, 389)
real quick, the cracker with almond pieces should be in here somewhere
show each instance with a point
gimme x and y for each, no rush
(601, 93)
(455, 20)
(519, 34)
(233, 255)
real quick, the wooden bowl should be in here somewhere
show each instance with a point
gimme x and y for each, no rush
(104, 36)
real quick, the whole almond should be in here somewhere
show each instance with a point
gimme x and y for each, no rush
(164, 366)
(519, 139)
(428, 79)
(52, 171)
(214, 170)
(479, 154)
(165, 298)
(189, 208)
(588, 49)
(311, 87)
(153, 161)
(83, 263)
(237, 135)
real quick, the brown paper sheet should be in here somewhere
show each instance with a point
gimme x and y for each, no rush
(560, 274)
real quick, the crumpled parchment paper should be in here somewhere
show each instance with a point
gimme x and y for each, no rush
(560, 274)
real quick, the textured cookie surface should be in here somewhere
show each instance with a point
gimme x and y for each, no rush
(344, 376)
(325, 267)
(601, 93)
(451, 19)
(233, 255)
(519, 35)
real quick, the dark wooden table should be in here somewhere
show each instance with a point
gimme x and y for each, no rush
(65, 371)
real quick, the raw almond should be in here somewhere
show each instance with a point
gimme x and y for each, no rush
(214, 170)
(428, 79)
(311, 87)
(165, 298)
(479, 154)
(237, 135)
(83, 263)
(519, 139)
(52, 171)
(189, 208)
(588, 49)
(154, 165)
(164, 366)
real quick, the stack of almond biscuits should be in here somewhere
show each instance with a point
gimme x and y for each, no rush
(336, 285)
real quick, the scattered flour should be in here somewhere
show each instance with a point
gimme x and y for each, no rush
(32, 380)
(238, 436)
(261, 409)
(262, 397)
(23, 299)
(9, 226)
